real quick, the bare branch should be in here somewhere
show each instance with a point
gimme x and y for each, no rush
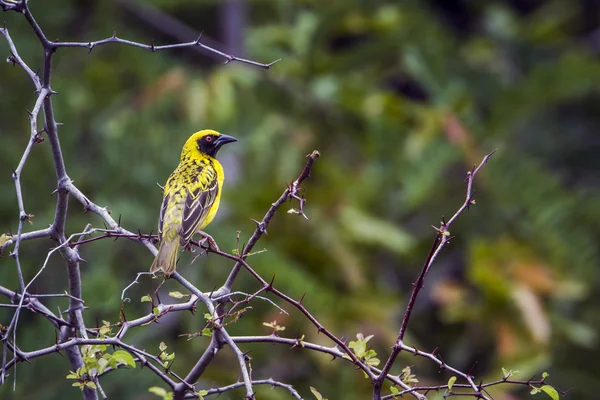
(271, 382)
(261, 227)
(150, 47)
(440, 241)
(15, 58)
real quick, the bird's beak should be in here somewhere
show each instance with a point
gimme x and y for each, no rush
(224, 139)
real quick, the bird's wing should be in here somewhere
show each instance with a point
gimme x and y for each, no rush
(161, 218)
(201, 197)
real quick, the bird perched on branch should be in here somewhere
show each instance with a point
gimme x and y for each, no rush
(191, 197)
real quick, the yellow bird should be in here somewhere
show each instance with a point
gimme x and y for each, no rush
(191, 197)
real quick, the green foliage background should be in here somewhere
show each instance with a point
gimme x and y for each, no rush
(400, 98)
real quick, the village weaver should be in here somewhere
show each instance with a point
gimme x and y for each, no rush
(191, 197)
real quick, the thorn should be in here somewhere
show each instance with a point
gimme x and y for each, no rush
(114, 36)
(471, 370)
(79, 259)
(58, 124)
(487, 157)
(302, 298)
(29, 112)
(122, 312)
(119, 223)
(199, 37)
(272, 280)
(260, 226)
(152, 49)
(269, 65)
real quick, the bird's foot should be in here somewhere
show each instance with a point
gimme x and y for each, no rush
(212, 244)
(189, 247)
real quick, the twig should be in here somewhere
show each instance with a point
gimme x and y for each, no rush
(440, 241)
(271, 382)
(220, 337)
(298, 304)
(250, 297)
(261, 227)
(333, 351)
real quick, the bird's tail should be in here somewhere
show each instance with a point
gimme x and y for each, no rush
(166, 257)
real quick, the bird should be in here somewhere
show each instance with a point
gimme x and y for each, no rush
(191, 197)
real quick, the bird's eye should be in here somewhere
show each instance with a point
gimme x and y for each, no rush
(209, 139)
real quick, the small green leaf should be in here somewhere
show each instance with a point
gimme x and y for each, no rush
(373, 361)
(545, 375)
(158, 391)
(394, 390)
(156, 311)
(146, 298)
(505, 373)
(206, 332)
(550, 391)
(316, 393)
(162, 346)
(72, 375)
(124, 358)
(102, 364)
(111, 361)
(4, 238)
(451, 383)
(201, 394)
(535, 390)
(177, 295)
(360, 348)
(90, 384)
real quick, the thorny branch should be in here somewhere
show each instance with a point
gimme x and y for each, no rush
(74, 325)
(72, 332)
(442, 238)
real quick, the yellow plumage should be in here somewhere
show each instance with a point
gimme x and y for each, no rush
(191, 196)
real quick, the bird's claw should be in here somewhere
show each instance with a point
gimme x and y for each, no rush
(212, 244)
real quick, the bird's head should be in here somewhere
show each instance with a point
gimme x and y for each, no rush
(207, 142)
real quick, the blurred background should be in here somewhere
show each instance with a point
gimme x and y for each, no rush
(401, 99)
